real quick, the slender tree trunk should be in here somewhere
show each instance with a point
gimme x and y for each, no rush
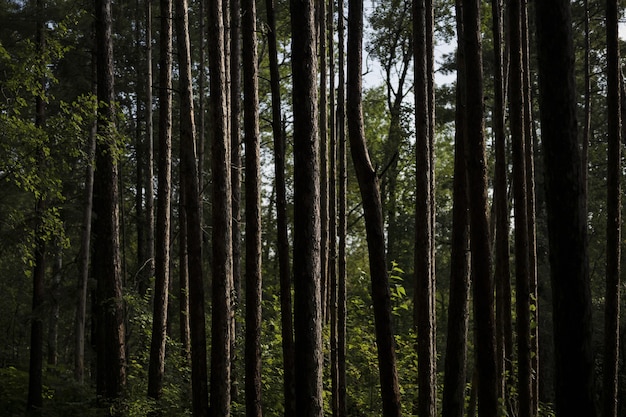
(323, 132)
(307, 233)
(149, 137)
(332, 211)
(423, 313)
(522, 271)
(190, 193)
(281, 220)
(613, 225)
(83, 279)
(35, 370)
(453, 403)
(529, 138)
(222, 222)
(372, 207)
(502, 251)
(236, 171)
(183, 268)
(106, 266)
(567, 223)
(479, 229)
(342, 407)
(253, 211)
(162, 264)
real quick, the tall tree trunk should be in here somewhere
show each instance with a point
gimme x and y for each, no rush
(479, 228)
(149, 174)
(323, 132)
(423, 313)
(106, 264)
(372, 207)
(164, 191)
(236, 171)
(332, 211)
(190, 193)
(453, 402)
(183, 265)
(222, 222)
(613, 225)
(307, 233)
(522, 272)
(253, 210)
(84, 258)
(342, 407)
(286, 317)
(35, 369)
(529, 139)
(502, 251)
(567, 223)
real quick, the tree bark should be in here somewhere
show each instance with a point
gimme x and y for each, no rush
(149, 174)
(83, 279)
(253, 210)
(453, 403)
(342, 221)
(423, 307)
(164, 191)
(281, 220)
(522, 271)
(106, 266)
(323, 132)
(222, 222)
(479, 228)
(307, 233)
(236, 174)
(35, 368)
(566, 210)
(529, 139)
(372, 207)
(191, 223)
(504, 333)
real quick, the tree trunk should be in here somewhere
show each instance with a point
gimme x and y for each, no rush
(307, 233)
(106, 266)
(522, 271)
(236, 173)
(332, 213)
(613, 225)
(502, 252)
(149, 174)
(372, 207)
(164, 191)
(253, 211)
(342, 221)
(323, 132)
(479, 228)
(35, 369)
(222, 222)
(423, 307)
(190, 194)
(529, 139)
(453, 403)
(183, 265)
(281, 220)
(83, 278)
(567, 223)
